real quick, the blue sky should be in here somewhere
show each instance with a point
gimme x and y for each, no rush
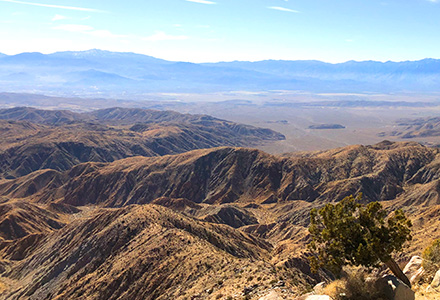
(226, 30)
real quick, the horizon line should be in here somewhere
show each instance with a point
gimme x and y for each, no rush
(224, 61)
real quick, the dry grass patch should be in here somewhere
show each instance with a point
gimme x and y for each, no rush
(357, 284)
(2, 286)
(422, 293)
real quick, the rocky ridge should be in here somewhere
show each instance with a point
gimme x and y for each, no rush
(164, 227)
(40, 139)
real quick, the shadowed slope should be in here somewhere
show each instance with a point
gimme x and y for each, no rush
(223, 175)
(19, 219)
(139, 252)
(148, 251)
(281, 190)
(69, 138)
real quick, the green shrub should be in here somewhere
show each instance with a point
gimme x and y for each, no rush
(431, 259)
(356, 284)
(352, 233)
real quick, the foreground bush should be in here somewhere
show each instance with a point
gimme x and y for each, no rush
(350, 233)
(431, 259)
(356, 284)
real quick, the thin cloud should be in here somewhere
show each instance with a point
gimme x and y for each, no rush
(433, 1)
(283, 9)
(202, 1)
(89, 30)
(54, 6)
(102, 33)
(58, 18)
(162, 36)
(74, 28)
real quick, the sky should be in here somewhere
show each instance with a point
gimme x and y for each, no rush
(227, 30)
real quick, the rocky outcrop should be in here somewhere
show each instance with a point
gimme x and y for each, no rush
(436, 280)
(414, 270)
(394, 289)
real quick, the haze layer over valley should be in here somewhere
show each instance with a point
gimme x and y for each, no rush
(362, 118)
(129, 75)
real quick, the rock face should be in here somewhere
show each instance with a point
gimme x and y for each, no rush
(395, 289)
(319, 288)
(436, 281)
(414, 270)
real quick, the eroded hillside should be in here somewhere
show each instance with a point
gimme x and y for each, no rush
(40, 139)
(214, 223)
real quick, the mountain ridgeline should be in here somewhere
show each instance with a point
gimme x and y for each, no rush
(114, 73)
(39, 139)
(124, 204)
(161, 227)
(229, 175)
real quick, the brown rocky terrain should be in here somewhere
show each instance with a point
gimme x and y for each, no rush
(205, 224)
(39, 139)
(224, 175)
(416, 128)
(143, 252)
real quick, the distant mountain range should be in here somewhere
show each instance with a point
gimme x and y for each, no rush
(113, 73)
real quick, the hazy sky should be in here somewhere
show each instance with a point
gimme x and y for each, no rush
(225, 30)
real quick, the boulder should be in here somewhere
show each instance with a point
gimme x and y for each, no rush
(414, 270)
(273, 295)
(319, 288)
(394, 289)
(436, 281)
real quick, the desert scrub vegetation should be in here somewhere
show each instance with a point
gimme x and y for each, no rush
(351, 233)
(356, 284)
(431, 259)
